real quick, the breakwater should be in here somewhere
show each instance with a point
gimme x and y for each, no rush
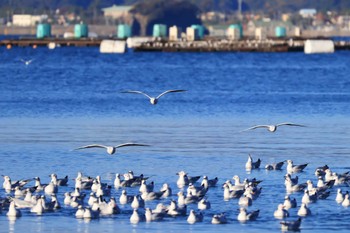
(164, 45)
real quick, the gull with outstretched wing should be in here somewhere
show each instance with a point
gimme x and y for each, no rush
(273, 128)
(110, 149)
(153, 100)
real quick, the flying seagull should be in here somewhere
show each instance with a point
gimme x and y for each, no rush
(273, 128)
(153, 100)
(110, 149)
(27, 62)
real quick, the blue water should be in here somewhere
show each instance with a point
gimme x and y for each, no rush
(69, 97)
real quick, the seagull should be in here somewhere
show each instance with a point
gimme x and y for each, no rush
(219, 219)
(27, 62)
(303, 210)
(244, 215)
(209, 183)
(194, 217)
(281, 212)
(274, 166)
(110, 149)
(272, 128)
(204, 204)
(340, 196)
(153, 100)
(136, 217)
(153, 216)
(291, 225)
(13, 212)
(252, 165)
(289, 203)
(291, 168)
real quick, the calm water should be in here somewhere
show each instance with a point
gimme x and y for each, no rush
(71, 97)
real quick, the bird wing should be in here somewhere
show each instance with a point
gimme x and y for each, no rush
(91, 146)
(290, 124)
(279, 165)
(137, 92)
(256, 126)
(130, 144)
(169, 91)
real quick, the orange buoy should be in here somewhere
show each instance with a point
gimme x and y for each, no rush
(8, 46)
(34, 46)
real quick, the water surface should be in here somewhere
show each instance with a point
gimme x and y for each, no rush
(71, 97)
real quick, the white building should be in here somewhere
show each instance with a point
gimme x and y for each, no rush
(26, 20)
(307, 13)
(116, 12)
(174, 33)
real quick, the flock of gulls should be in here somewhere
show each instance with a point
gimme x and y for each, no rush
(90, 198)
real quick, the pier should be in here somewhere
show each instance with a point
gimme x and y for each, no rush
(221, 45)
(24, 42)
(224, 45)
(163, 45)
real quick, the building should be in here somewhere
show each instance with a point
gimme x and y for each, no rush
(26, 20)
(116, 14)
(307, 13)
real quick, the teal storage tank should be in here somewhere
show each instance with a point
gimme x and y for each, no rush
(43, 30)
(199, 30)
(159, 30)
(81, 30)
(280, 32)
(239, 27)
(123, 31)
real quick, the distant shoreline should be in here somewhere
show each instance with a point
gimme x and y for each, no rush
(111, 30)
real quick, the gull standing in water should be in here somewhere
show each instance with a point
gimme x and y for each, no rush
(273, 128)
(110, 149)
(153, 100)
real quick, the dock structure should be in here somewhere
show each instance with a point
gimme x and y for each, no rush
(221, 46)
(287, 44)
(224, 45)
(24, 42)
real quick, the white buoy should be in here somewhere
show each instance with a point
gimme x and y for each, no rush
(51, 45)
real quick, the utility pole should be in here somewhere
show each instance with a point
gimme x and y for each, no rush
(240, 9)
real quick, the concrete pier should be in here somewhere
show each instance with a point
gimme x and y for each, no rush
(83, 42)
(207, 45)
(224, 45)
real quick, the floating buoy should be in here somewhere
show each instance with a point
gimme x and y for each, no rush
(51, 45)
(8, 46)
(34, 46)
